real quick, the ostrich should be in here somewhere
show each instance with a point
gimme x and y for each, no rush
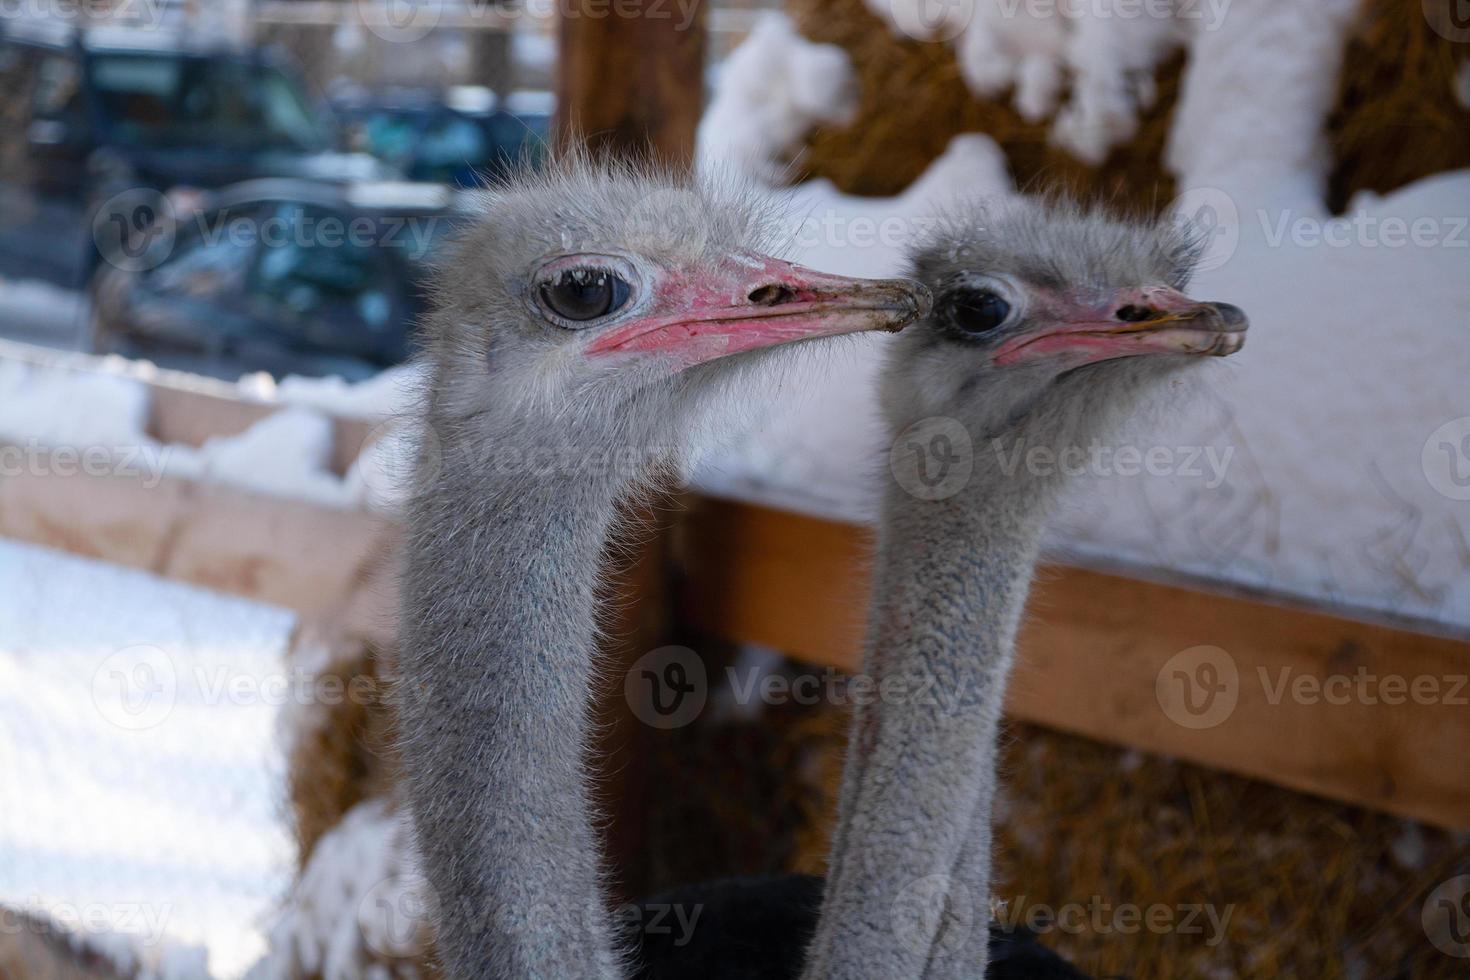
(580, 329)
(1042, 316)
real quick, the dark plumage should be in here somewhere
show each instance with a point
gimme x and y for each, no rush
(758, 928)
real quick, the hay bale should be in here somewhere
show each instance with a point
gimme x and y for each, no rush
(339, 747)
(912, 102)
(1395, 118)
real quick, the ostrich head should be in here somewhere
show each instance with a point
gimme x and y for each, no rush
(598, 304)
(1048, 319)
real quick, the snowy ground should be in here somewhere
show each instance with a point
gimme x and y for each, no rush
(141, 780)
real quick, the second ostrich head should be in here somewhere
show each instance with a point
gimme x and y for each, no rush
(607, 302)
(1048, 317)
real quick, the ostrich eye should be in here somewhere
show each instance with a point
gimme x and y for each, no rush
(977, 311)
(584, 294)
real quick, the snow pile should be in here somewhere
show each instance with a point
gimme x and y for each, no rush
(360, 907)
(63, 408)
(140, 779)
(393, 392)
(771, 91)
(288, 453)
(1310, 446)
(1253, 98)
(1323, 455)
(1104, 52)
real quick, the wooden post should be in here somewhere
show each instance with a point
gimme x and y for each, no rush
(630, 82)
(630, 76)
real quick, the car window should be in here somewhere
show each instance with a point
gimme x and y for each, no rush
(391, 136)
(169, 99)
(519, 140)
(210, 258)
(58, 91)
(311, 273)
(16, 73)
(452, 143)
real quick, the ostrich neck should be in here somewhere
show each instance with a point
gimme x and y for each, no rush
(499, 644)
(949, 588)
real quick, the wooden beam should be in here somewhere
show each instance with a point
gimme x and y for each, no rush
(291, 553)
(1358, 711)
(630, 84)
(630, 76)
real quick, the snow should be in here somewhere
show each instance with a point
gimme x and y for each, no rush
(141, 780)
(288, 453)
(1324, 493)
(771, 90)
(1103, 51)
(1111, 63)
(62, 408)
(359, 904)
(388, 393)
(1253, 98)
(1325, 450)
(1248, 59)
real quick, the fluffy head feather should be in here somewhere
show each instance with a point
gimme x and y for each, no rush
(1073, 295)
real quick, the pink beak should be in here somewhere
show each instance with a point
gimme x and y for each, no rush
(754, 301)
(1152, 320)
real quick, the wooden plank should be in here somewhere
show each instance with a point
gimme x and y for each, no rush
(630, 84)
(1321, 703)
(290, 553)
(630, 76)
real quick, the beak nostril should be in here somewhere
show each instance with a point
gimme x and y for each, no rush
(771, 294)
(1133, 313)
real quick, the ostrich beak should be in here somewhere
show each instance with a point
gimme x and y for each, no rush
(1153, 320)
(752, 302)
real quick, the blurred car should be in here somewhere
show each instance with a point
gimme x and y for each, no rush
(89, 113)
(284, 276)
(460, 137)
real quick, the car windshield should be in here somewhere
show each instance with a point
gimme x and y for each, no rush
(180, 100)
